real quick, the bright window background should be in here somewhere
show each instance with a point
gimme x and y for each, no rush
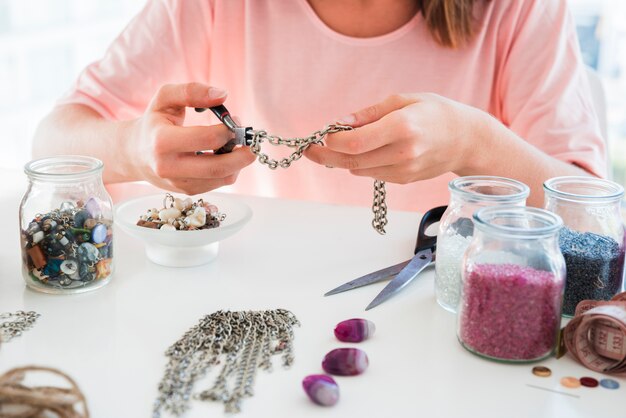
(45, 43)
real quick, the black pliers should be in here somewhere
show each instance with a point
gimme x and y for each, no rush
(243, 135)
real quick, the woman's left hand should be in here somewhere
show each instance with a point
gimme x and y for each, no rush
(406, 138)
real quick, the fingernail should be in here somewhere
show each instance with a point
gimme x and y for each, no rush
(347, 120)
(215, 93)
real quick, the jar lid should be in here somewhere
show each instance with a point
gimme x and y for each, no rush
(63, 168)
(489, 189)
(583, 189)
(517, 221)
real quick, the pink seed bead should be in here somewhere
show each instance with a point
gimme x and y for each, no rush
(211, 209)
(510, 312)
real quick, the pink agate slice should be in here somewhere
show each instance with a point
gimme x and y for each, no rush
(321, 389)
(345, 362)
(354, 330)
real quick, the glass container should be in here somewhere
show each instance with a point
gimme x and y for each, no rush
(467, 194)
(513, 280)
(592, 239)
(66, 224)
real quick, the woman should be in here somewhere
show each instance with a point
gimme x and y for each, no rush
(488, 87)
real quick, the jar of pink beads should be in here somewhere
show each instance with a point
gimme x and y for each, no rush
(512, 285)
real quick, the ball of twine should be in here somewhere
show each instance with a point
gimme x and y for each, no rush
(20, 401)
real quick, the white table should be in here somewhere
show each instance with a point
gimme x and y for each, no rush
(112, 340)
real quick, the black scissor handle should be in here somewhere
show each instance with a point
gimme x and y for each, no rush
(430, 217)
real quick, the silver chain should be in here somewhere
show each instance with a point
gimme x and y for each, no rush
(12, 325)
(379, 207)
(241, 342)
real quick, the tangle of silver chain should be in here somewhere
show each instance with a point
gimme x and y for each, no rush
(239, 343)
(12, 325)
(379, 207)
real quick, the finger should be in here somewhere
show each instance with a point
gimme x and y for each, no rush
(394, 127)
(172, 138)
(376, 112)
(193, 187)
(358, 141)
(210, 166)
(384, 156)
(402, 173)
(177, 96)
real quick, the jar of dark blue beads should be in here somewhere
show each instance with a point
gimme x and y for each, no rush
(66, 225)
(592, 240)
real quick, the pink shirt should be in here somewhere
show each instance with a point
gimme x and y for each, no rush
(288, 73)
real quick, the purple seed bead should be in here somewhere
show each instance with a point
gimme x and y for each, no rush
(354, 330)
(345, 362)
(93, 207)
(321, 389)
(594, 264)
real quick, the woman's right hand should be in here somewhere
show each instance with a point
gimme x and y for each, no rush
(164, 151)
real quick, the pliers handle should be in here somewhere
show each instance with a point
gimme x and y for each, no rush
(243, 135)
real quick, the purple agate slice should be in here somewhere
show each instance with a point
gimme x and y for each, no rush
(345, 362)
(354, 330)
(321, 389)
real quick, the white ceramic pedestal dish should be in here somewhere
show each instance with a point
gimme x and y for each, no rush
(181, 248)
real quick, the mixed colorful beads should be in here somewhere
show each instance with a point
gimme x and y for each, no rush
(183, 215)
(69, 247)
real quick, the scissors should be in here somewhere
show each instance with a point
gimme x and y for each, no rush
(404, 272)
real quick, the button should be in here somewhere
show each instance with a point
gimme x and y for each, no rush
(609, 384)
(570, 382)
(541, 371)
(589, 382)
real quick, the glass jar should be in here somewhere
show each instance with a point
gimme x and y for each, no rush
(467, 194)
(592, 239)
(513, 279)
(66, 224)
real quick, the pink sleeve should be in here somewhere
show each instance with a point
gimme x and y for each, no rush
(167, 42)
(544, 90)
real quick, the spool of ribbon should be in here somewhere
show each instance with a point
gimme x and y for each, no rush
(20, 401)
(596, 336)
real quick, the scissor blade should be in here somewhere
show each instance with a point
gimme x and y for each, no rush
(415, 266)
(374, 277)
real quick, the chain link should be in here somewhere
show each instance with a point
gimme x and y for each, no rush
(379, 207)
(12, 325)
(240, 342)
(300, 144)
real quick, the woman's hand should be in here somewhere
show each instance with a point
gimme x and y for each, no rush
(164, 152)
(406, 138)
